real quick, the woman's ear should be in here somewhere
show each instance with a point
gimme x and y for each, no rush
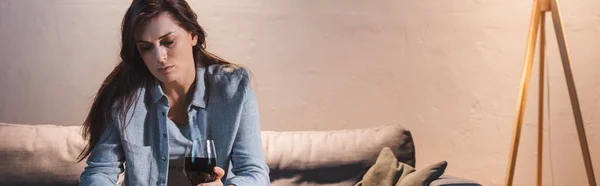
(194, 39)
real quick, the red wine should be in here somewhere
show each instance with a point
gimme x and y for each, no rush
(201, 171)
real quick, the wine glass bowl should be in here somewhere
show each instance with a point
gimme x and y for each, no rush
(200, 161)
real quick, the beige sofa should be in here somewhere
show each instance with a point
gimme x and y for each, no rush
(46, 154)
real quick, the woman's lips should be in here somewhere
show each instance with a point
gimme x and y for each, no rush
(165, 69)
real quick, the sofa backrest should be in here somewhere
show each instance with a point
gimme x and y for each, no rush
(46, 154)
(40, 154)
(332, 157)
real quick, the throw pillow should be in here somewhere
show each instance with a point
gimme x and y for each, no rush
(424, 176)
(388, 171)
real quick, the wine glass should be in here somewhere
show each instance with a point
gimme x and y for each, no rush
(200, 161)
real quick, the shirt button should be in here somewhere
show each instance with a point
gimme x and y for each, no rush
(163, 158)
(163, 113)
(162, 181)
(164, 135)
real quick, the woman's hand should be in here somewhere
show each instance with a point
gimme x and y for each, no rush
(219, 172)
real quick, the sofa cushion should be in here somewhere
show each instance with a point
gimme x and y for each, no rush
(446, 180)
(332, 157)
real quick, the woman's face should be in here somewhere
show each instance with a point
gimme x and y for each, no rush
(166, 49)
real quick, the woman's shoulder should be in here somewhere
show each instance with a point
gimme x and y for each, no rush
(228, 79)
(228, 70)
(228, 74)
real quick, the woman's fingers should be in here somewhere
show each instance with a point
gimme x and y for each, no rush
(219, 172)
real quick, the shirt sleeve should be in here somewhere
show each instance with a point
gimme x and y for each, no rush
(247, 158)
(105, 162)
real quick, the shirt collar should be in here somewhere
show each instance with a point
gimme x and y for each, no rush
(199, 97)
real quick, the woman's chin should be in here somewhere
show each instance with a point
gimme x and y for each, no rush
(165, 78)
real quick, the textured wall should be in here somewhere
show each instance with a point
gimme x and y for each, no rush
(448, 70)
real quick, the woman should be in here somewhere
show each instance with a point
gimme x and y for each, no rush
(167, 89)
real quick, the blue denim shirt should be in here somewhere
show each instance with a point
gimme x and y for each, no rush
(223, 108)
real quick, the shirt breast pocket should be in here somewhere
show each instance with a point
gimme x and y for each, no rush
(138, 163)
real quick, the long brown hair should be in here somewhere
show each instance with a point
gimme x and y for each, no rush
(119, 90)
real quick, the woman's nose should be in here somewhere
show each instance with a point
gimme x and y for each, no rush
(161, 55)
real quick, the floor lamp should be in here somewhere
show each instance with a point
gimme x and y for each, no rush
(540, 8)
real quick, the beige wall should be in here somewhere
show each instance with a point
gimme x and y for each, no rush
(447, 70)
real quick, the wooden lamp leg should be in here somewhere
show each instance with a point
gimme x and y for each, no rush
(541, 98)
(544, 7)
(564, 54)
(522, 99)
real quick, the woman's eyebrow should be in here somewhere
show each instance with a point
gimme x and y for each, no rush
(161, 37)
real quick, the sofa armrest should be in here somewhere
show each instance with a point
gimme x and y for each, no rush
(446, 180)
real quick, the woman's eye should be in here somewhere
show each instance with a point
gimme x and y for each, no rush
(168, 43)
(145, 48)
